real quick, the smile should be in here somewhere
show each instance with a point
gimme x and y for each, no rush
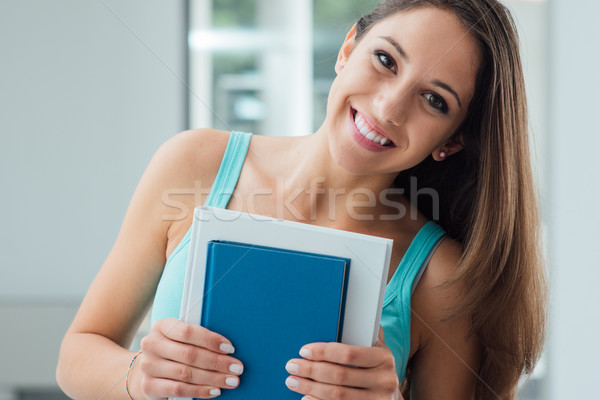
(369, 136)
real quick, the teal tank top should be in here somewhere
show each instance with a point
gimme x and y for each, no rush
(395, 318)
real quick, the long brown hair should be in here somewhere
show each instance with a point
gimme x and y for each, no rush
(488, 201)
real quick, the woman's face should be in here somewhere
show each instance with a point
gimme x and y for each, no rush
(408, 80)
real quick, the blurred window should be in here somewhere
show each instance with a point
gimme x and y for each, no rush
(265, 66)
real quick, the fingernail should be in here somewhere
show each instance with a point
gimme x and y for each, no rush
(227, 348)
(215, 392)
(236, 368)
(232, 381)
(291, 368)
(306, 353)
(291, 382)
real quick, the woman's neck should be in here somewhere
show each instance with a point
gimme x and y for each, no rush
(311, 187)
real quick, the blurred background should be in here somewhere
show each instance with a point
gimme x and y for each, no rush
(89, 89)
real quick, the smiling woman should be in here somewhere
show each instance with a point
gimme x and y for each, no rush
(402, 93)
(428, 99)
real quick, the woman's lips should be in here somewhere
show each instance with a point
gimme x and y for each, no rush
(373, 133)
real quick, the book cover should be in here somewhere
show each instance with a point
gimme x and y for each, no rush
(370, 258)
(270, 302)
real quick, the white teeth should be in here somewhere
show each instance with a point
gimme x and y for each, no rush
(371, 135)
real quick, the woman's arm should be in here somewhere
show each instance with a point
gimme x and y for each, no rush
(446, 364)
(94, 357)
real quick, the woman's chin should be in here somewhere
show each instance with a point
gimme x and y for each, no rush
(346, 156)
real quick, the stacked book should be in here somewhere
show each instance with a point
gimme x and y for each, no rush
(271, 286)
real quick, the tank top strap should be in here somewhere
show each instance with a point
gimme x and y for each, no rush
(229, 170)
(167, 299)
(415, 259)
(396, 312)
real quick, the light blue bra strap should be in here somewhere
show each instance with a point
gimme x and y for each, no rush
(230, 169)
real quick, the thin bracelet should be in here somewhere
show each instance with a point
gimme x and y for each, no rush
(127, 374)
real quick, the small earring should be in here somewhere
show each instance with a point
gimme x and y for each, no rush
(442, 154)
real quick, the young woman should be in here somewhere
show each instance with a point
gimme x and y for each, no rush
(429, 102)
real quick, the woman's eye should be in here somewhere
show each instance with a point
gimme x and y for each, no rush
(385, 59)
(437, 102)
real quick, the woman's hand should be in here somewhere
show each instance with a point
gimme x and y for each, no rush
(326, 372)
(183, 360)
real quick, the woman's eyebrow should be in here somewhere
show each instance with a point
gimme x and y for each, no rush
(399, 49)
(447, 88)
(436, 82)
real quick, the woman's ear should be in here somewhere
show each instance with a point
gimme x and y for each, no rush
(452, 146)
(345, 50)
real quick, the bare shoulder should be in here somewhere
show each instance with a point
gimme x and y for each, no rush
(194, 154)
(183, 165)
(432, 301)
(446, 358)
(443, 263)
(189, 163)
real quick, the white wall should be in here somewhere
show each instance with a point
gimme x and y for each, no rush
(571, 201)
(88, 91)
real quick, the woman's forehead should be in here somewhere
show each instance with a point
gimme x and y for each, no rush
(434, 40)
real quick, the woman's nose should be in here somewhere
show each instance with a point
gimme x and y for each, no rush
(392, 106)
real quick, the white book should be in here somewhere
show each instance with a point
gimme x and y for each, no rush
(369, 262)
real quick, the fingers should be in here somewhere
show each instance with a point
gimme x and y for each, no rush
(330, 373)
(339, 353)
(165, 388)
(336, 370)
(189, 355)
(184, 360)
(194, 334)
(323, 391)
(165, 369)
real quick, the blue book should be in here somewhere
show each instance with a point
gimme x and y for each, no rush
(270, 302)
